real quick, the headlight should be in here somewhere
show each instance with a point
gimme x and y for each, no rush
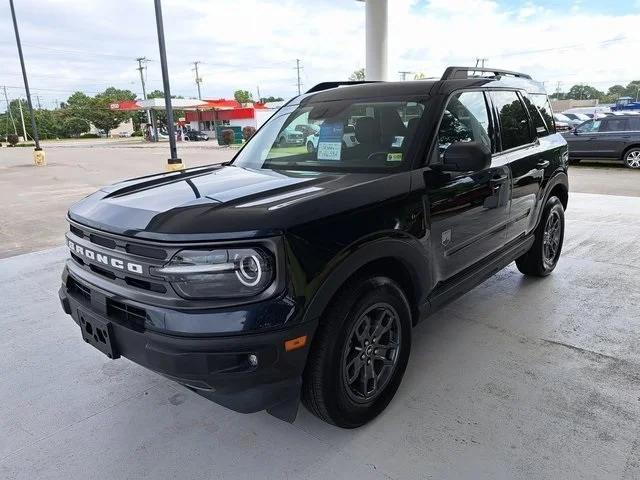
(219, 273)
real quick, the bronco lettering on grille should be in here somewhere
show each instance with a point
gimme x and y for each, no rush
(104, 259)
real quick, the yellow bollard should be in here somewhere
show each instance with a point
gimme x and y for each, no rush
(39, 158)
(174, 167)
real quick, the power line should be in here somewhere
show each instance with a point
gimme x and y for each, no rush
(617, 39)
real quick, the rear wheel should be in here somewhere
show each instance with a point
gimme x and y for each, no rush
(543, 255)
(310, 147)
(359, 354)
(632, 158)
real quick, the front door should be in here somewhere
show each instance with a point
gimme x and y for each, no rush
(583, 140)
(467, 211)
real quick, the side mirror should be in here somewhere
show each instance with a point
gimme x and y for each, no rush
(466, 157)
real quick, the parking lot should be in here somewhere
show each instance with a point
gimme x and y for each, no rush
(520, 378)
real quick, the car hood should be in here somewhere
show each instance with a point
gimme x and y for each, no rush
(229, 202)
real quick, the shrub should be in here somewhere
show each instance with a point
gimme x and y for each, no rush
(89, 135)
(247, 132)
(137, 133)
(228, 136)
(13, 139)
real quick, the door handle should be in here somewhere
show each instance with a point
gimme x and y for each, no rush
(543, 164)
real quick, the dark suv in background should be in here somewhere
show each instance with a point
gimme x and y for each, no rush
(616, 137)
(290, 273)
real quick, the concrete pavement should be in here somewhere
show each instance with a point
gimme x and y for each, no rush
(520, 378)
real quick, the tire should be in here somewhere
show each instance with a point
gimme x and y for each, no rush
(334, 355)
(310, 147)
(632, 158)
(543, 256)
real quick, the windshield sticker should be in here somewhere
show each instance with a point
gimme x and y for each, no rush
(330, 141)
(394, 157)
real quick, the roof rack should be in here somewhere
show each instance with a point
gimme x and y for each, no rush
(457, 73)
(327, 85)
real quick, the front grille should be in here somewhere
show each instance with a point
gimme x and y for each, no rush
(105, 242)
(76, 231)
(103, 272)
(78, 290)
(144, 251)
(128, 315)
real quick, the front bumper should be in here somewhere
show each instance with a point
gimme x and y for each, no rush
(216, 367)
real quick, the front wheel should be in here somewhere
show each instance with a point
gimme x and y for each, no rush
(360, 353)
(310, 148)
(632, 158)
(544, 254)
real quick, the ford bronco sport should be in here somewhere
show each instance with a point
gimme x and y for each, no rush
(290, 274)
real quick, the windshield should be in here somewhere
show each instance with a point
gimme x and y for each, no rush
(354, 134)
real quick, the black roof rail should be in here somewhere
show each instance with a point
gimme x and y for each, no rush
(327, 85)
(457, 73)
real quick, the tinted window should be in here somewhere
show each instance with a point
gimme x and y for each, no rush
(541, 101)
(539, 124)
(514, 124)
(634, 124)
(465, 120)
(614, 125)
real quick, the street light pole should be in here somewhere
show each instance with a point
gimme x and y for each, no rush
(174, 163)
(38, 155)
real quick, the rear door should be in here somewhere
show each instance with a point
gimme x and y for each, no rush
(582, 140)
(613, 135)
(467, 211)
(522, 153)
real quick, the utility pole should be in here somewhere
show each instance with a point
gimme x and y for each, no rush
(38, 100)
(298, 68)
(198, 79)
(404, 74)
(144, 90)
(38, 154)
(6, 99)
(259, 97)
(24, 128)
(174, 163)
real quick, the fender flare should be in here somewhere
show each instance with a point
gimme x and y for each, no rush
(559, 178)
(408, 251)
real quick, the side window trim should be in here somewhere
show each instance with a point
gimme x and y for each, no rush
(430, 153)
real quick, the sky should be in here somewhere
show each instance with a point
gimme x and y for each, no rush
(88, 45)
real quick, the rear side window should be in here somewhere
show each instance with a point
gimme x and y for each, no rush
(465, 119)
(514, 123)
(614, 125)
(543, 106)
(634, 124)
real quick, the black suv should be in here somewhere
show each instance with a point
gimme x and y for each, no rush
(289, 274)
(616, 137)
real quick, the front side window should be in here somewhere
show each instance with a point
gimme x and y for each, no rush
(348, 134)
(589, 126)
(465, 119)
(514, 124)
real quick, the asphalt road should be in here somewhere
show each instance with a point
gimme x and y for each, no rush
(35, 200)
(518, 379)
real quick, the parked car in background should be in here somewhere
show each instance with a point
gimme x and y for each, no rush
(195, 136)
(563, 126)
(307, 129)
(615, 137)
(348, 139)
(577, 117)
(559, 117)
(290, 137)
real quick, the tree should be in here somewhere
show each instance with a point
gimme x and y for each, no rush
(101, 114)
(419, 76)
(271, 99)
(243, 96)
(584, 92)
(74, 126)
(357, 75)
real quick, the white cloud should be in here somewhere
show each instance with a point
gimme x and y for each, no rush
(76, 44)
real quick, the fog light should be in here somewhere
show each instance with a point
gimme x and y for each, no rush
(253, 360)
